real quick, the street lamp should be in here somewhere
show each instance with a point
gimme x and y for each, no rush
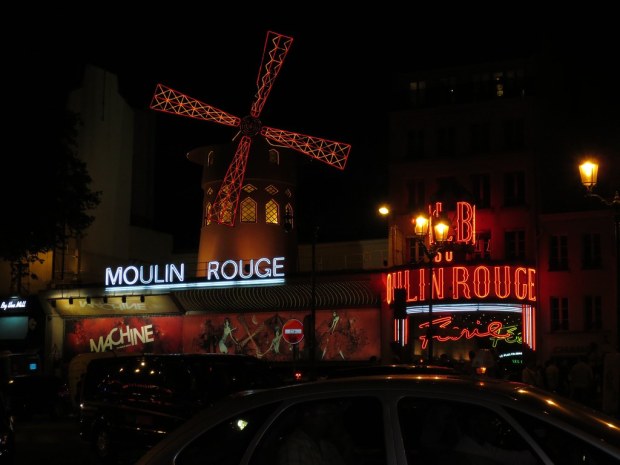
(436, 242)
(393, 236)
(589, 174)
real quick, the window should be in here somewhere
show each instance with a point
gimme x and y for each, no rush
(482, 248)
(207, 220)
(415, 144)
(446, 140)
(417, 93)
(481, 87)
(416, 250)
(559, 313)
(513, 134)
(593, 313)
(481, 188)
(416, 199)
(351, 430)
(514, 189)
(272, 212)
(591, 251)
(558, 253)
(498, 79)
(274, 157)
(515, 245)
(443, 431)
(479, 138)
(248, 210)
(289, 219)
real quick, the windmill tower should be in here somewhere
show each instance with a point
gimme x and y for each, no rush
(246, 218)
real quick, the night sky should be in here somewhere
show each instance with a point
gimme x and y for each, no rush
(334, 84)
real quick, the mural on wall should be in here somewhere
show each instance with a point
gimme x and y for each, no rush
(340, 335)
(127, 334)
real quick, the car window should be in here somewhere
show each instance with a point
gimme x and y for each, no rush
(338, 431)
(226, 443)
(562, 446)
(436, 431)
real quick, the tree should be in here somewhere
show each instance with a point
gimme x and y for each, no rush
(52, 198)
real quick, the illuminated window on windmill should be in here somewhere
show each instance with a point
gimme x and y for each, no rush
(206, 220)
(248, 210)
(271, 189)
(249, 188)
(274, 156)
(288, 213)
(227, 210)
(271, 212)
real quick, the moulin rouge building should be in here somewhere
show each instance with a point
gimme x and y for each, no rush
(530, 266)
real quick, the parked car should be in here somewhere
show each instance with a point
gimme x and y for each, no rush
(130, 402)
(395, 420)
(391, 369)
(7, 435)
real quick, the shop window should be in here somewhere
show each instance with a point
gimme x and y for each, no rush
(558, 253)
(559, 313)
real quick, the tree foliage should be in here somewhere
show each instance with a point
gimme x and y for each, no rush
(52, 199)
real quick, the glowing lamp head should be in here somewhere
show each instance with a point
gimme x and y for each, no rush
(384, 210)
(420, 225)
(589, 174)
(441, 230)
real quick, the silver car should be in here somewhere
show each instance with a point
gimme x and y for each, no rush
(394, 419)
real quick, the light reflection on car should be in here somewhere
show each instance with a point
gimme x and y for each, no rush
(395, 419)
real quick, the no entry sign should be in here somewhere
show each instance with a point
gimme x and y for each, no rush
(293, 331)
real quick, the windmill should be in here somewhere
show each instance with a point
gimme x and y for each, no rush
(224, 208)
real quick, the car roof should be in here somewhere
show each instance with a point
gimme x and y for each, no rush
(491, 392)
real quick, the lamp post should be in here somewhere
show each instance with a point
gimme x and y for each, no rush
(589, 174)
(436, 242)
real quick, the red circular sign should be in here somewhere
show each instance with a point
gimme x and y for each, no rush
(293, 331)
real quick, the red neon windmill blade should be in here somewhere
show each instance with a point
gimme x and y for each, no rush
(224, 208)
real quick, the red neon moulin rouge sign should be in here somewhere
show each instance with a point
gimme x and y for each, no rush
(462, 283)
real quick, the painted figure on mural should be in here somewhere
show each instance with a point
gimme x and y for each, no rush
(333, 340)
(275, 342)
(208, 339)
(227, 332)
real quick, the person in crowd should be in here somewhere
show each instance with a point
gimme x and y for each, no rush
(531, 373)
(581, 381)
(552, 376)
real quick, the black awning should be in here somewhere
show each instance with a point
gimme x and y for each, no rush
(333, 294)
